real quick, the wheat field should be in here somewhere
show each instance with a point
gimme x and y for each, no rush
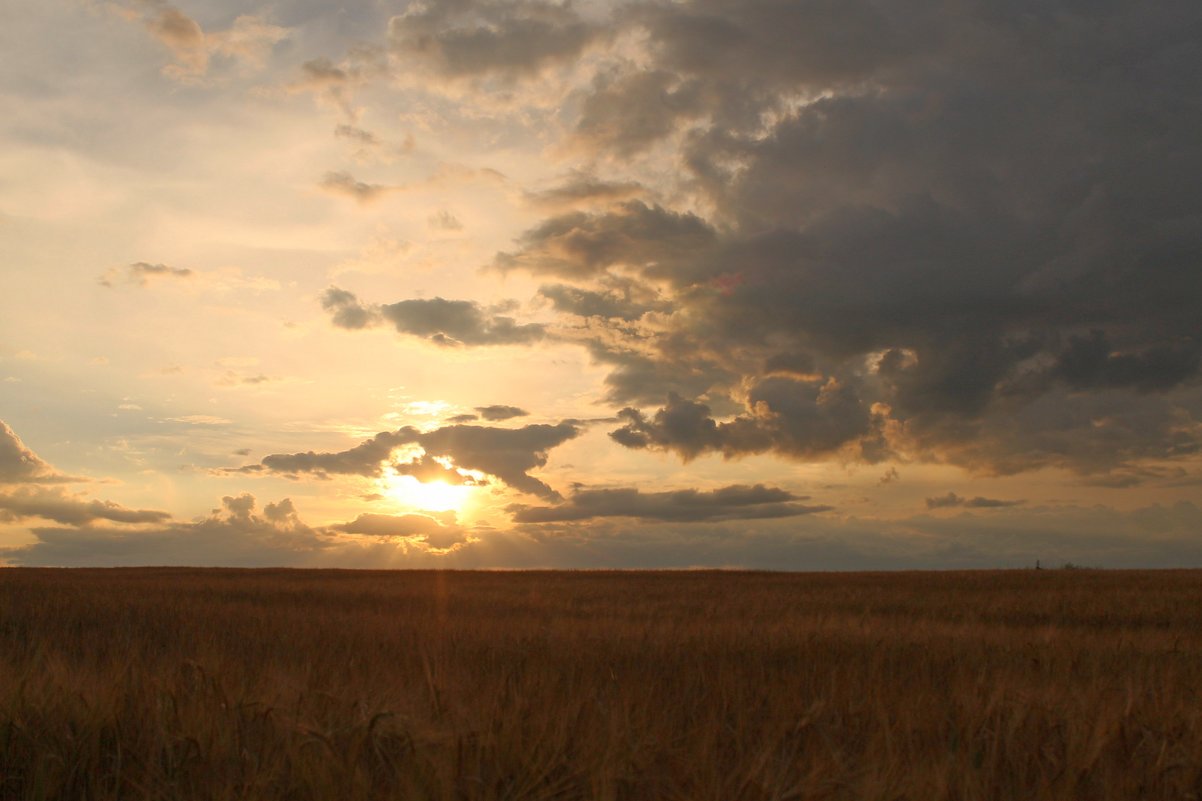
(698, 686)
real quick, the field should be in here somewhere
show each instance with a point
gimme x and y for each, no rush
(698, 686)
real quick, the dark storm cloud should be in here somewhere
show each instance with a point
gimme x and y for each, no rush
(465, 39)
(735, 502)
(966, 234)
(443, 322)
(1091, 362)
(632, 235)
(507, 453)
(952, 500)
(500, 412)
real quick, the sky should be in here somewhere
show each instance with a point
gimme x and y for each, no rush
(803, 285)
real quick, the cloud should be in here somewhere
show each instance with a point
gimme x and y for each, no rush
(444, 322)
(248, 41)
(201, 420)
(1091, 362)
(499, 412)
(952, 500)
(801, 419)
(27, 497)
(142, 274)
(506, 453)
(632, 235)
(233, 535)
(581, 188)
(357, 135)
(735, 502)
(20, 465)
(55, 505)
(433, 533)
(509, 40)
(335, 83)
(345, 184)
(458, 322)
(427, 469)
(345, 309)
(936, 236)
(628, 114)
(444, 220)
(606, 304)
(365, 459)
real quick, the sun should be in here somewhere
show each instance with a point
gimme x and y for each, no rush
(432, 496)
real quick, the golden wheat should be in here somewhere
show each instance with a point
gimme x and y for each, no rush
(698, 686)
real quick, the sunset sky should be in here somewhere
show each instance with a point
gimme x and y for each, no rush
(817, 284)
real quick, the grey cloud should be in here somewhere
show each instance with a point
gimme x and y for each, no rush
(342, 183)
(61, 508)
(632, 235)
(583, 188)
(20, 465)
(427, 469)
(628, 114)
(1091, 362)
(795, 418)
(463, 418)
(142, 273)
(507, 453)
(248, 40)
(952, 500)
(345, 309)
(1158, 536)
(231, 536)
(430, 531)
(592, 303)
(458, 322)
(500, 412)
(509, 40)
(365, 459)
(443, 322)
(322, 71)
(444, 220)
(355, 134)
(182, 35)
(978, 223)
(735, 502)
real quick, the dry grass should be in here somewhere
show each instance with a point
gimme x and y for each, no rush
(223, 684)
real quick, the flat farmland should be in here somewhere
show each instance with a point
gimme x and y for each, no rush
(699, 686)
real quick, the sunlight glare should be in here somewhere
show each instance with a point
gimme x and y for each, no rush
(434, 496)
